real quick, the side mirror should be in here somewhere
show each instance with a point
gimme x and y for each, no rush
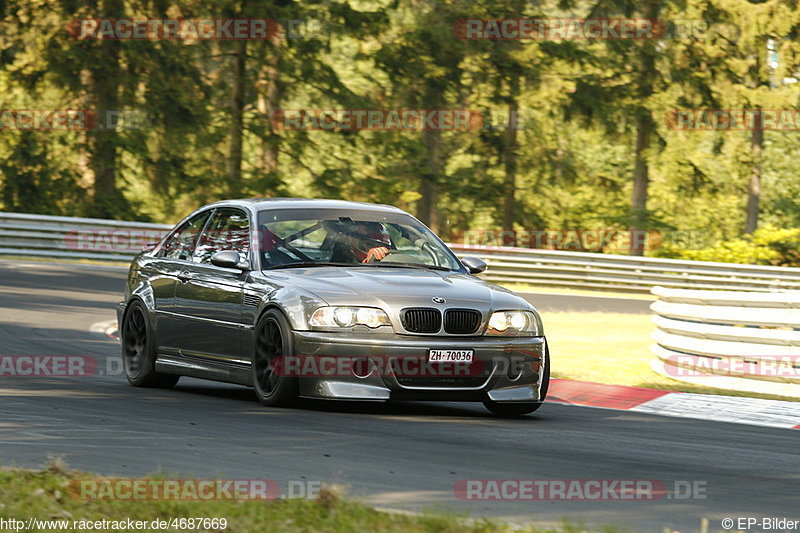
(473, 264)
(229, 259)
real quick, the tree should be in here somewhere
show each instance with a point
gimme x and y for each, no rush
(617, 82)
(749, 79)
(424, 60)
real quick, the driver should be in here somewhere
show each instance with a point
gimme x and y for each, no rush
(370, 241)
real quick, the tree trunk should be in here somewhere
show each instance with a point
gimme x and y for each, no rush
(103, 93)
(234, 159)
(427, 205)
(644, 128)
(428, 187)
(269, 102)
(641, 182)
(754, 187)
(510, 156)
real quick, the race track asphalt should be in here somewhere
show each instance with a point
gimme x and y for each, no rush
(405, 455)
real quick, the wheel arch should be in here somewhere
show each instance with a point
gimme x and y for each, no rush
(127, 308)
(270, 306)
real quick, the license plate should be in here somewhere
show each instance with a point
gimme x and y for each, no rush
(450, 356)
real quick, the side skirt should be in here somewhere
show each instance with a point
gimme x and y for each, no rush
(196, 367)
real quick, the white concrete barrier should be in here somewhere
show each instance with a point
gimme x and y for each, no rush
(729, 339)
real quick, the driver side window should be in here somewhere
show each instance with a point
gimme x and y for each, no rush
(229, 229)
(180, 244)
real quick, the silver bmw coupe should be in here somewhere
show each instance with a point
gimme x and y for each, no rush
(327, 299)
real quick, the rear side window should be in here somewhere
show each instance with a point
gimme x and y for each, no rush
(180, 245)
(228, 229)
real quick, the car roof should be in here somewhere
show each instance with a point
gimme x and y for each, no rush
(303, 203)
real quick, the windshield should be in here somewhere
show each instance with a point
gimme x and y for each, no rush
(337, 237)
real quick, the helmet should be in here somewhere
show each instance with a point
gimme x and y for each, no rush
(369, 235)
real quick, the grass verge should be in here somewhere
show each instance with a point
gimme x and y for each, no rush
(596, 293)
(44, 495)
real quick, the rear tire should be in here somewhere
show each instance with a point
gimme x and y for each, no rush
(273, 340)
(504, 409)
(138, 350)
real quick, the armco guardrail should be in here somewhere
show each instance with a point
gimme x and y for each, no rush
(29, 235)
(110, 240)
(728, 335)
(606, 271)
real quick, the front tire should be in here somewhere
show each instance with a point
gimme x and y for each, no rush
(505, 410)
(273, 341)
(138, 350)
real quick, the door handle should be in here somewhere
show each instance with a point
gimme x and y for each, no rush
(184, 277)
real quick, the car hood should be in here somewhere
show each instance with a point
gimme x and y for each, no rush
(396, 288)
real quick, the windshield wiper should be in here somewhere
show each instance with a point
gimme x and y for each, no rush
(408, 265)
(306, 264)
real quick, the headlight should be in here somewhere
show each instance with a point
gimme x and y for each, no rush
(347, 317)
(514, 323)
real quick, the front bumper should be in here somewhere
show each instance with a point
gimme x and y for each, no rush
(504, 369)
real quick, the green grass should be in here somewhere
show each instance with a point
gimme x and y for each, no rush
(613, 348)
(43, 494)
